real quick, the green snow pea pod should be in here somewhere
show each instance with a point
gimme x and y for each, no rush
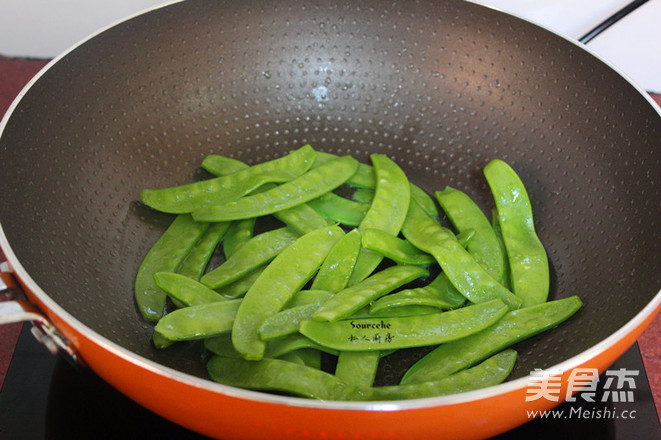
(308, 186)
(282, 376)
(305, 297)
(256, 252)
(304, 356)
(387, 211)
(198, 322)
(362, 178)
(395, 312)
(363, 195)
(358, 367)
(336, 269)
(466, 274)
(237, 235)
(401, 251)
(198, 195)
(195, 263)
(164, 256)
(408, 331)
(186, 290)
(161, 341)
(495, 224)
(464, 237)
(296, 341)
(222, 165)
(529, 266)
(222, 346)
(424, 200)
(239, 287)
(440, 293)
(286, 321)
(484, 246)
(302, 218)
(339, 209)
(281, 279)
(353, 298)
(491, 372)
(396, 249)
(515, 326)
(365, 179)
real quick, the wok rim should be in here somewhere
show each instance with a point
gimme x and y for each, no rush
(652, 308)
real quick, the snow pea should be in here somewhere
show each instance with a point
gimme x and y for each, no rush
(239, 287)
(466, 274)
(293, 342)
(362, 178)
(164, 256)
(222, 346)
(308, 186)
(386, 212)
(464, 237)
(439, 293)
(198, 195)
(353, 298)
(408, 331)
(161, 341)
(528, 262)
(358, 367)
(281, 279)
(365, 180)
(256, 252)
(394, 312)
(193, 294)
(339, 209)
(287, 321)
(282, 376)
(186, 291)
(515, 326)
(222, 165)
(304, 356)
(336, 269)
(305, 297)
(195, 263)
(401, 251)
(396, 249)
(302, 218)
(464, 214)
(491, 372)
(237, 235)
(495, 224)
(198, 322)
(362, 195)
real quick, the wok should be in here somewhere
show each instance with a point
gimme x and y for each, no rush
(440, 86)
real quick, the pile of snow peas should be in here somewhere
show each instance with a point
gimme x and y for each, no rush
(356, 264)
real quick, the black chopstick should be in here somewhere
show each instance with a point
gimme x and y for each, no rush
(612, 20)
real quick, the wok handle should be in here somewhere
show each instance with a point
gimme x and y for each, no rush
(14, 310)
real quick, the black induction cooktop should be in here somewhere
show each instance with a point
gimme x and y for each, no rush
(45, 397)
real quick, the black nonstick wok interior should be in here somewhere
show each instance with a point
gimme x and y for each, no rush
(440, 86)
